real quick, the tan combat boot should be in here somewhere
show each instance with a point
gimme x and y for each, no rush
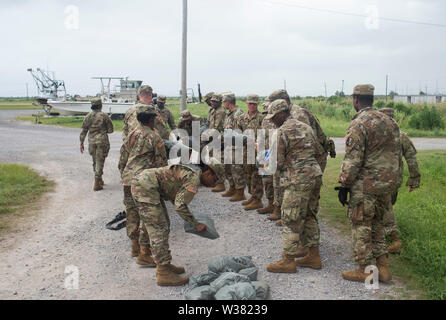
(135, 248)
(279, 223)
(166, 277)
(219, 188)
(256, 204)
(276, 215)
(311, 260)
(246, 202)
(229, 193)
(356, 275)
(396, 246)
(176, 269)
(97, 185)
(302, 251)
(239, 195)
(385, 274)
(145, 257)
(268, 209)
(101, 182)
(286, 265)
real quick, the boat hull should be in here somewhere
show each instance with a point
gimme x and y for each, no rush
(84, 107)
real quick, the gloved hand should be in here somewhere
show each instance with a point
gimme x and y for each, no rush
(332, 148)
(343, 195)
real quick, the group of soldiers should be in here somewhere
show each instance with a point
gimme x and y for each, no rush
(370, 176)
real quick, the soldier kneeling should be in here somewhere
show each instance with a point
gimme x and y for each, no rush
(179, 184)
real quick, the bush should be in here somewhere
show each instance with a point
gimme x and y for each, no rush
(427, 119)
(379, 104)
(401, 107)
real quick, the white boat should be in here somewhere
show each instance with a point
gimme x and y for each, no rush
(83, 107)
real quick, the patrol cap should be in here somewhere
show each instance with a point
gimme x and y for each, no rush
(146, 108)
(364, 90)
(96, 103)
(208, 96)
(217, 97)
(275, 107)
(229, 97)
(279, 94)
(186, 114)
(162, 98)
(388, 111)
(252, 98)
(145, 89)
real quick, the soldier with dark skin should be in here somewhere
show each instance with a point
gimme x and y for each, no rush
(369, 173)
(166, 114)
(151, 188)
(98, 125)
(185, 121)
(413, 182)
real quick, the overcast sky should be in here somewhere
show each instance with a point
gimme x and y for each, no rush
(243, 46)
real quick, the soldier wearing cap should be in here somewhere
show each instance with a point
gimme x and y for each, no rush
(234, 173)
(369, 173)
(216, 119)
(208, 97)
(252, 120)
(166, 114)
(296, 151)
(185, 121)
(98, 125)
(410, 155)
(131, 123)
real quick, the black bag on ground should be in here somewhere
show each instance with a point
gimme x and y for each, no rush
(209, 233)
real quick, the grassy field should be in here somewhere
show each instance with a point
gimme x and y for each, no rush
(17, 105)
(19, 187)
(421, 217)
(334, 114)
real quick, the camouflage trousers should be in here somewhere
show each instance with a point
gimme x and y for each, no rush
(123, 158)
(133, 223)
(368, 233)
(389, 222)
(267, 182)
(300, 225)
(278, 191)
(254, 181)
(99, 153)
(235, 173)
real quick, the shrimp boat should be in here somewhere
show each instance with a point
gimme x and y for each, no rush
(54, 100)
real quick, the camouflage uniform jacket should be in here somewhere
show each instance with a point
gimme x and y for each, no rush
(233, 119)
(372, 154)
(176, 183)
(252, 122)
(216, 118)
(98, 125)
(297, 151)
(131, 122)
(167, 116)
(186, 124)
(307, 117)
(410, 154)
(267, 125)
(145, 150)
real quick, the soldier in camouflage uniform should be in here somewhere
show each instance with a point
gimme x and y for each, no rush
(300, 174)
(216, 119)
(252, 120)
(234, 173)
(410, 154)
(166, 114)
(130, 124)
(146, 150)
(185, 121)
(207, 99)
(370, 174)
(179, 184)
(98, 125)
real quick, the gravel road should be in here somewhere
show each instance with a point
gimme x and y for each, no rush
(68, 230)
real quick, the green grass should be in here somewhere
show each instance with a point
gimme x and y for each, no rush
(19, 186)
(17, 105)
(421, 217)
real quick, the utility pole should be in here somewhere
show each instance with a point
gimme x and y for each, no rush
(325, 85)
(342, 90)
(387, 83)
(184, 60)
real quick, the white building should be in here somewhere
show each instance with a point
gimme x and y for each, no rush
(420, 99)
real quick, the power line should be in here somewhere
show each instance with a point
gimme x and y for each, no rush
(353, 14)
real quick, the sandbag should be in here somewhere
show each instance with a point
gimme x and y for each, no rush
(209, 233)
(230, 264)
(251, 273)
(202, 279)
(262, 289)
(227, 278)
(237, 291)
(200, 293)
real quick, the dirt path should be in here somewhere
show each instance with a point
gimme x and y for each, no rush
(69, 230)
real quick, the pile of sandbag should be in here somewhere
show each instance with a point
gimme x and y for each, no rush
(228, 278)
